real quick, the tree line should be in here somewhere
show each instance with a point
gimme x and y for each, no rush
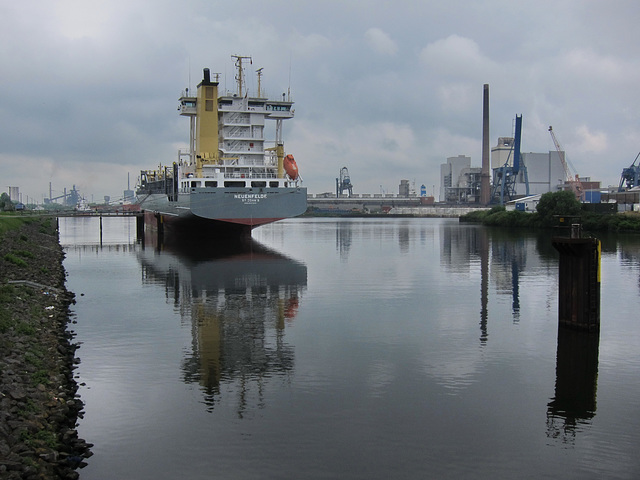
(552, 207)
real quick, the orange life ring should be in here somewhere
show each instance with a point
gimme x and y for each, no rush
(290, 167)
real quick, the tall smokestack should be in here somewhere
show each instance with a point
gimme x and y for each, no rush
(485, 184)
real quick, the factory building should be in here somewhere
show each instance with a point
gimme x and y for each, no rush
(545, 173)
(14, 194)
(404, 189)
(542, 173)
(459, 182)
(502, 153)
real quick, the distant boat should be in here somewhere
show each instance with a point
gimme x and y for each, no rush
(229, 181)
(82, 206)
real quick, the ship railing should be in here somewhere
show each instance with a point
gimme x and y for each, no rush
(235, 176)
(250, 175)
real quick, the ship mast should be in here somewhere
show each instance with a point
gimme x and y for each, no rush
(240, 75)
(259, 72)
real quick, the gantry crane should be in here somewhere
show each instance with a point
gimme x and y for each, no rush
(630, 177)
(344, 183)
(573, 181)
(505, 177)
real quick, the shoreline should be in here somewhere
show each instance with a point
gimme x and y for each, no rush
(39, 404)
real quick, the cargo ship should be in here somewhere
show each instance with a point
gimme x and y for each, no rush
(230, 180)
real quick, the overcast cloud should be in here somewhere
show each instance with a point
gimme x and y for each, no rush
(387, 89)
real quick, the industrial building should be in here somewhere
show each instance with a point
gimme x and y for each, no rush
(459, 182)
(515, 174)
(544, 173)
(539, 173)
(14, 194)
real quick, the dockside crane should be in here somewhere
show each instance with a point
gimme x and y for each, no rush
(630, 176)
(505, 177)
(344, 183)
(573, 181)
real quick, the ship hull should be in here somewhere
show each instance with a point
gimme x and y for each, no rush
(226, 211)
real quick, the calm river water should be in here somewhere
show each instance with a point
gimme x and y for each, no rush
(359, 349)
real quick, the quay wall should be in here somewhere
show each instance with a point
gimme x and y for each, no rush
(392, 205)
(453, 212)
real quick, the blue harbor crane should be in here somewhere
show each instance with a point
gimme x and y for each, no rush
(505, 177)
(344, 183)
(630, 176)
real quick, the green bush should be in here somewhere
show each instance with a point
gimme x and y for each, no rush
(7, 293)
(476, 216)
(25, 328)
(554, 204)
(11, 258)
(6, 322)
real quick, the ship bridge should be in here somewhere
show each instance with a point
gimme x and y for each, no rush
(187, 104)
(279, 109)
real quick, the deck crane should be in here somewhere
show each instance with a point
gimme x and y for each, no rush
(573, 181)
(630, 176)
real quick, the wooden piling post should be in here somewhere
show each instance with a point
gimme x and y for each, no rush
(159, 224)
(579, 283)
(140, 227)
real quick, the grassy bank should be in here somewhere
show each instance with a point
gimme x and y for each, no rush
(11, 222)
(38, 403)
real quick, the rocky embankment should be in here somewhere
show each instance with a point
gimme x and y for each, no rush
(39, 406)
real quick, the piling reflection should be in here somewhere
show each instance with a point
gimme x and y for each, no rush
(238, 303)
(574, 403)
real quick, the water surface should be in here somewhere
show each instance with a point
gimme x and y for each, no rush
(363, 348)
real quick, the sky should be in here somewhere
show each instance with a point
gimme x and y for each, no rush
(388, 89)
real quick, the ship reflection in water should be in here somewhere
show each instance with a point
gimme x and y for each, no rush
(238, 302)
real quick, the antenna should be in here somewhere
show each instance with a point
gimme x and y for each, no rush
(289, 88)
